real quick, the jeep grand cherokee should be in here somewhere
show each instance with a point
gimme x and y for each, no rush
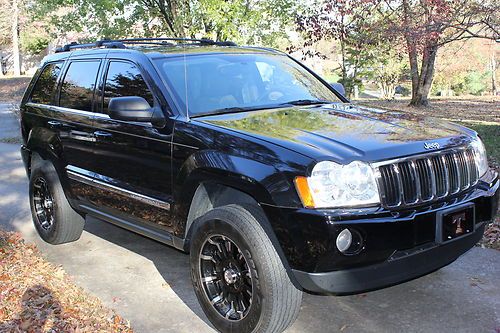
(266, 174)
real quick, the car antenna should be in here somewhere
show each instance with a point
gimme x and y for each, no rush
(186, 84)
(185, 75)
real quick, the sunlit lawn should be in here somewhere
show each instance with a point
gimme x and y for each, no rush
(490, 133)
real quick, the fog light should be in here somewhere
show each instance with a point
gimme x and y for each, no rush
(344, 240)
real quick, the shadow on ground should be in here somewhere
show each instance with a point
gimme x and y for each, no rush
(456, 298)
(35, 316)
(171, 264)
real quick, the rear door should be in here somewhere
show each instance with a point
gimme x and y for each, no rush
(132, 161)
(40, 114)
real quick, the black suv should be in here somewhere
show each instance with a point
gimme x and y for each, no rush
(266, 174)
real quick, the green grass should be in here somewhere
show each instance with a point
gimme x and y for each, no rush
(490, 133)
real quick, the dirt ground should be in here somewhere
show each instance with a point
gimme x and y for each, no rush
(37, 296)
(473, 108)
(12, 88)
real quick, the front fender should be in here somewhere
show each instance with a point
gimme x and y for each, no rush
(263, 182)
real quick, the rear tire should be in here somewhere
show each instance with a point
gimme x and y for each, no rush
(55, 220)
(232, 256)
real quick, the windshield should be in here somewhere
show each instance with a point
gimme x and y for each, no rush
(214, 83)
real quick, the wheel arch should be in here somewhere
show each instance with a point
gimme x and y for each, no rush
(46, 145)
(210, 195)
(39, 155)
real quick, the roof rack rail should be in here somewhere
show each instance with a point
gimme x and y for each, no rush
(120, 43)
(202, 41)
(100, 43)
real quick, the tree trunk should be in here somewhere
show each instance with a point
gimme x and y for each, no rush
(388, 90)
(411, 45)
(167, 11)
(493, 66)
(15, 38)
(412, 54)
(421, 96)
(347, 86)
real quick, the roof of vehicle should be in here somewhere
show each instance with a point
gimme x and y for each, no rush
(154, 48)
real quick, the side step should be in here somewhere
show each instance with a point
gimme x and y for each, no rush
(137, 227)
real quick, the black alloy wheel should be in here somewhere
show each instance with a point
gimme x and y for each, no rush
(53, 217)
(238, 276)
(226, 277)
(43, 203)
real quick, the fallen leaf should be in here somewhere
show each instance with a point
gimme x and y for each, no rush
(25, 324)
(344, 327)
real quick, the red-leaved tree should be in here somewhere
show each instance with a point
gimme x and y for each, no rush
(426, 25)
(419, 27)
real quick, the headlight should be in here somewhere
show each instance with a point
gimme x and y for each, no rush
(335, 185)
(480, 154)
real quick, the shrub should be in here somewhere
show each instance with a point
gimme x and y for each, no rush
(33, 44)
(475, 83)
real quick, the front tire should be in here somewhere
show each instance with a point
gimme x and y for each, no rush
(238, 277)
(55, 220)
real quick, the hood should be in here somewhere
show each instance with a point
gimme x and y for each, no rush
(345, 132)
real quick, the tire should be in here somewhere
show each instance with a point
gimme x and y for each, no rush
(57, 222)
(275, 302)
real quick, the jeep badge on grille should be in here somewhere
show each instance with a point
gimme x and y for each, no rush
(431, 145)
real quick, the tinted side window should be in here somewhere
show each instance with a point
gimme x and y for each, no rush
(45, 86)
(124, 79)
(78, 87)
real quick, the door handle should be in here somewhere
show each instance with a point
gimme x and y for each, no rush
(54, 124)
(102, 135)
(82, 136)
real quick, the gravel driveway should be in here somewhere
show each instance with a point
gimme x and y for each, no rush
(148, 283)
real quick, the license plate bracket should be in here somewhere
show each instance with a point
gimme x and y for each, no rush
(455, 223)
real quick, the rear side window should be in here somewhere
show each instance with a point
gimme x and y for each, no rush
(125, 79)
(78, 86)
(45, 86)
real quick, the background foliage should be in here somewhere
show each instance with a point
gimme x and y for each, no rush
(416, 47)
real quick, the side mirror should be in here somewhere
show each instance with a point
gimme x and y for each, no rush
(339, 87)
(130, 108)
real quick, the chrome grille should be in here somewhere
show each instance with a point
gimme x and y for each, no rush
(426, 178)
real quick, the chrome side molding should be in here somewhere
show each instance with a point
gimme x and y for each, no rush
(85, 177)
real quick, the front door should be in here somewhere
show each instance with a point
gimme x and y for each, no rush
(132, 164)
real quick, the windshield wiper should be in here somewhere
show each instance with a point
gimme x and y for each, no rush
(235, 110)
(223, 111)
(306, 102)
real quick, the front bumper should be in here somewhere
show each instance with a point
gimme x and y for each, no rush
(395, 270)
(398, 245)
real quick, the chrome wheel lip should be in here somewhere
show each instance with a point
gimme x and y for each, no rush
(241, 281)
(43, 204)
